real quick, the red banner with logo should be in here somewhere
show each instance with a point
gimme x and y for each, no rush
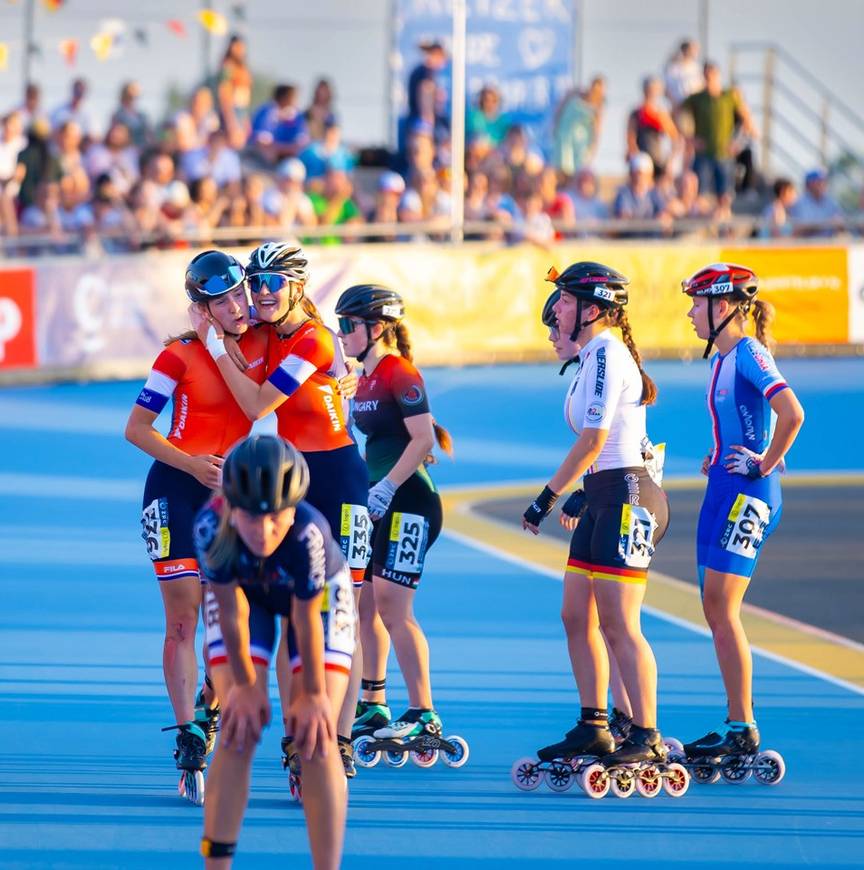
(17, 319)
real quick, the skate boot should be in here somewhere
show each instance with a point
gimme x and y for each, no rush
(411, 723)
(582, 740)
(733, 753)
(189, 757)
(207, 719)
(291, 763)
(620, 724)
(369, 718)
(735, 740)
(346, 750)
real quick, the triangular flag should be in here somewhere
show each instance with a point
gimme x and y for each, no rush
(177, 27)
(213, 21)
(101, 44)
(4, 56)
(53, 5)
(69, 50)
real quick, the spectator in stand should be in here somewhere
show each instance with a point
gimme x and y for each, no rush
(74, 213)
(199, 119)
(254, 188)
(577, 126)
(486, 118)
(206, 206)
(335, 205)
(146, 211)
(534, 224)
(650, 128)
(31, 108)
(501, 207)
(816, 206)
(421, 148)
(279, 127)
(390, 188)
(217, 160)
(683, 75)
(480, 154)
(556, 203)
(41, 217)
(287, 204)
(39, 162)
(428, 70)
(713, 113)
(116, 157)
(638, 198)
(234, 92)
(476, 192)
(689, 203)
(587, 206)
(131, 117)
(67, 149)
(12, 143)
(74, 110)
(776, 217)
(320, 111)
(318, 157)
(112, 219)
(157, 175)
(424, 200)
(516, 152)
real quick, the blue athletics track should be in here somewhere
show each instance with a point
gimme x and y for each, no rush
(86, 776)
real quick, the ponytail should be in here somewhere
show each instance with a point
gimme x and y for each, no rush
(618, 318)
(223, 548)
(184, 336)
(403, 341)
(763, 316)
(310, 310)
(444, 439)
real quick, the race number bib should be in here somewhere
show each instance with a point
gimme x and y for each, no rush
(212, 628)
(407, 548)
(337, 613)
(636, 536)
(745, 526)
(154, 529)
(355, 532)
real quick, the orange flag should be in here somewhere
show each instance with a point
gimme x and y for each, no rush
(69, 50)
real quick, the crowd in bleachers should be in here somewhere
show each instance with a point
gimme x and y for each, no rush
(221, 164)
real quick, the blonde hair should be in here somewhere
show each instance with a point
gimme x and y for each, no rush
(223, 548)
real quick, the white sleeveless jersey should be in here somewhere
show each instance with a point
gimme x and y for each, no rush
(605, 394)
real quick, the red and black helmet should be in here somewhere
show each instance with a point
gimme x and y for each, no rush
(723, 279)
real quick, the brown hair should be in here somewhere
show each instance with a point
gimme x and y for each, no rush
(763, 316)
(618, 317)
(309, 309)
(396, 334)
(184, 336)
(223, 547)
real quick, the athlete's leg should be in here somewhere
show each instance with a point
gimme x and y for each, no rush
(619, 605)
(395, 604)
(375, 643)
(588, 656)
(620, 698)
(722, 596)
(348, 708)
(283, 672)
(181, 599)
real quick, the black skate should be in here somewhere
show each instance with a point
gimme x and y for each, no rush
(190, 757)
(346, 750)
(207, 719)
(620, 724)
(291, 763)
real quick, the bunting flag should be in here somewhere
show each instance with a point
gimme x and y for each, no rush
(69, 50)
(53, 5)
(102, 43)
(4, 56)
(213, 22)
(177, 27)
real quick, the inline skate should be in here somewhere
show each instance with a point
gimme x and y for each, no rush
(291, 763)
(207, 718)
(190, 757)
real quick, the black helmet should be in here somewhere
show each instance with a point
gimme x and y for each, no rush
(371, 302)
(264, 474)
(593, 282)
(279, 258)
(212, 274)
(549, 317)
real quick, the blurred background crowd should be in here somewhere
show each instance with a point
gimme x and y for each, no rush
(70, 182)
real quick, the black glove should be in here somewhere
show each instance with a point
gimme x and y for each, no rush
(576, 504)
(541, 507)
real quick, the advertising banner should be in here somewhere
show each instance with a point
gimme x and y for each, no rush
(17, 319)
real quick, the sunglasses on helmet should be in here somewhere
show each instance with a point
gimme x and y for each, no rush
(216, 285)
(273, 281)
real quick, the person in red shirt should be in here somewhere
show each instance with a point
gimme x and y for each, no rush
(303, 370)
(205, 422)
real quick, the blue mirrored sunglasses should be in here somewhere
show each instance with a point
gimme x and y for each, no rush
(347, 325)
(273, 281)
(216, 285)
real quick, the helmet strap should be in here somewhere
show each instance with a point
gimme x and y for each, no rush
(713, 331)
(572, 361)
(370, 343)
(580, 323)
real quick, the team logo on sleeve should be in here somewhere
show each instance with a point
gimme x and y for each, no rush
(413, 395)
(595, 412)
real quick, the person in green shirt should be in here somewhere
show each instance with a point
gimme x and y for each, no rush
(335, 204)
(714, 113)
(486, 118)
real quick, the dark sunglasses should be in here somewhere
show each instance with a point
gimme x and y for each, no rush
(347, 325)
(273, 281)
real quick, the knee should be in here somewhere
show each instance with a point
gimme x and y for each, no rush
(180, 626)
(577, 623)
(717, 613)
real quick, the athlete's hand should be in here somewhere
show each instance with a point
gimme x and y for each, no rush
(743, 461)
(310, 720)
(245, 712)
(538, 510)
(206, 469)
(346, 386)
(235, 354)
(380, 497)
(706, 464)
(572, 510)
(201, 321)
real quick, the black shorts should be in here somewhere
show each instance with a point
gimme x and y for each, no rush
(401, 538)
(339, 488)
(626, 517)
(172, 498)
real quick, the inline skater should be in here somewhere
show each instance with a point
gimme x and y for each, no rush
(266, 553)
(392, 409)
(304, 364)
(187, 465)
(626, 515)
(743, 502)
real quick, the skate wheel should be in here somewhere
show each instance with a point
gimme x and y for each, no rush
(191, 786)
(676, 780)
(364, 756)
(295, 789)
(673, 744)
(769, 767)
(595, 781)
(526, 774)
(559, 776)
(705, 774)
(735, 770)
(622, 784)
(394, 758)
(649, 782)
(424, 757)
(460, 756)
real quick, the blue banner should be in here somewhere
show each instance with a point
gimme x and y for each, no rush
(522, 47)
